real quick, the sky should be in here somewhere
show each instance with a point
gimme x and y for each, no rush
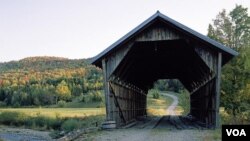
(83, 28)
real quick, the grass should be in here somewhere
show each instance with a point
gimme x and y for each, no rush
(183, 107)
(53, 112)
(157, 107)
(84, 105)
(66, 119)
(55, 124)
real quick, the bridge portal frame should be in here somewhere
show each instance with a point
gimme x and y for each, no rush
(161, 48)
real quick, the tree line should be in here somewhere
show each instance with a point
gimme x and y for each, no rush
(46, 80)
(233, 30)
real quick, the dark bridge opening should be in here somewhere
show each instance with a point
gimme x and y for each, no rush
(161, 48)
(148, 61)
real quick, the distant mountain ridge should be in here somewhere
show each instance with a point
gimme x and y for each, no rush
(41, 63)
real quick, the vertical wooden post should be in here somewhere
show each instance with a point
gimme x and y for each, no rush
(218, 81)
(106, 90)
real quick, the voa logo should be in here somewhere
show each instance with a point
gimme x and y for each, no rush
(236, 132)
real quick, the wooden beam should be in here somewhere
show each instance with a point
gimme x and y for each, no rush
(217, 97)
(117, 104)
(202, 85)
(106, 90)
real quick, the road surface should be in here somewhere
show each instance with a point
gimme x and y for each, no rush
(171, 108)
(167, 128)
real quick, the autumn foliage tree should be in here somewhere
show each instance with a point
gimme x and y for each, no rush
(42, 81)
(62, 91)
(233, 30)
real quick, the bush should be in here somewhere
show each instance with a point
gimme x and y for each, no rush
(3, 104)
(43, 122)
(155, 94)
(16, 105)
(84, 99)
(61, 103)
(70, 125)
(101, 105)
(96, 96)
(13, 118)
(21, 119)
(184, 101)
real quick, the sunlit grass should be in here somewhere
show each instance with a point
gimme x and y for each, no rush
(157, 107)
(179, 110)
(62, 112)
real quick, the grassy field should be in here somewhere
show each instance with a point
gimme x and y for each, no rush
(53, 112)
(157, 107)
(71, 116)
(52, 119)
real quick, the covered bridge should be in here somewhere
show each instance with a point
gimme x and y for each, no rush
(162, 48)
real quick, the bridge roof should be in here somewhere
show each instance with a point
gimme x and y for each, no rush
(220, 47)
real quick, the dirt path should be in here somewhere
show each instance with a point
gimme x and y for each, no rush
(166, 128)
(171, 108)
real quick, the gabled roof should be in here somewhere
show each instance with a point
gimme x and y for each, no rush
(178, 25)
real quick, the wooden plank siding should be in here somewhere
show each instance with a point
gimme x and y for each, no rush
(158, 33)
(203, 99)
(111, 63)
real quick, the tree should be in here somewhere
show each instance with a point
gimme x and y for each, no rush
(161, 85)
(76, 90)
(62, 91)
(233, 30)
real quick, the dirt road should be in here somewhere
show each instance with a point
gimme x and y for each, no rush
(171, 108)
(167, 128)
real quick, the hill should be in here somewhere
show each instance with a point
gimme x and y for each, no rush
(46, 80)
(43, 63)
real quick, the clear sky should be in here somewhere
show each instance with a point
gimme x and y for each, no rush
(83, 28)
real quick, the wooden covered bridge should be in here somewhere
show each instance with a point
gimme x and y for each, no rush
(162, 48)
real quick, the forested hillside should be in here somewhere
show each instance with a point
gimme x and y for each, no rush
(43, 63)
(46, 80)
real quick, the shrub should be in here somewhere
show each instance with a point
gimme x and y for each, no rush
(155, 94)
(101, 105)
(16, 105)
(3, 104)
(43, 122)
(184, 101)
(84, 99)
(61, 103)
(96, 96)
(70, 125)
(13, 118)
(21, 119)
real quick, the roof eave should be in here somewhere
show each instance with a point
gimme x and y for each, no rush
(122, 39)
(101, 55)
(199, 35)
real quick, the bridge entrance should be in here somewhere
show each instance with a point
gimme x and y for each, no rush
(168, 97)
(161, 48)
